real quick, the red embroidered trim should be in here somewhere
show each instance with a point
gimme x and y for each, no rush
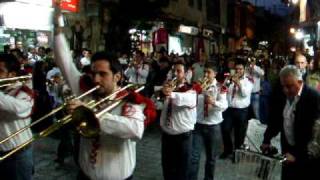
(94, 150)
(30, 93)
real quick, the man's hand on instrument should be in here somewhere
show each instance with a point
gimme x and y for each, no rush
(289, 158)
(209, 99)
(73, 104)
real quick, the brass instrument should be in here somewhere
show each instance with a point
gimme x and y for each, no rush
(83, 126)
(11, 81)
(229, 79)
(205, 83)
(173, 83)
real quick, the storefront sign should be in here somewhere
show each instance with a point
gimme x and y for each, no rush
(69, 5)
(188, 30)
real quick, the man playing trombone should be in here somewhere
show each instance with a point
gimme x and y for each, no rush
(111, 155)
(16, 103)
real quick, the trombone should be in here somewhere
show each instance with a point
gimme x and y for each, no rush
(10, 81)
(82, 126)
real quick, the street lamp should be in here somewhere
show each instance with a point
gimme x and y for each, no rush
(299, 35)
(294, 2)
(292, 30)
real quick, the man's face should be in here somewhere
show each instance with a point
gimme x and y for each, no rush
(290, 85)
(103, 76)
(179, 71)
(301, 62)
(209, 73)
(239, 70)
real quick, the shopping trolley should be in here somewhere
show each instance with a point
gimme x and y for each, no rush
(251, 163)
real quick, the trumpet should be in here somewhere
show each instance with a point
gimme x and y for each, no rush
(86, 127)
(229, 79)
(205, 83)
(10, 81)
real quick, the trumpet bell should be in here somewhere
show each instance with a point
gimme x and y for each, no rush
(86, 122)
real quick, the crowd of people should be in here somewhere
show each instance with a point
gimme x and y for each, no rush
(197, 100)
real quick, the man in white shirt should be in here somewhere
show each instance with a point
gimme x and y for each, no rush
(236, 116)
(138, 71)
(16, 102)
(293, 114)
(177, 122)
(112, 155)
(211, 103)
(255, 74)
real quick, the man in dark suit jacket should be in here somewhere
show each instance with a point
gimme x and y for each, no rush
(293, 112)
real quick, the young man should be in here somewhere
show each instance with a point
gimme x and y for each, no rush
(177, 122)
(236, 116)
(16, 103)
(211, 103)
(113, 154)
(138, 71)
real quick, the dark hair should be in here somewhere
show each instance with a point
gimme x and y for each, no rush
(115, 66)
(11, 62)
(179, 62)
(240, 61)
(211, 65)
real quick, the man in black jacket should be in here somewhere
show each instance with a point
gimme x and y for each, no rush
(293, 113)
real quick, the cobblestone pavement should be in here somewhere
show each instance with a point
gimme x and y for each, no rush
(148, 159)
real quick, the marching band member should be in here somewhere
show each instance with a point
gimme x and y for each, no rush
(177, 122)
(137, 72)
(211, 103)
(112, 155)
(236, 116)
(16, 102)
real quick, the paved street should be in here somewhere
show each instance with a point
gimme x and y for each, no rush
(148, 160)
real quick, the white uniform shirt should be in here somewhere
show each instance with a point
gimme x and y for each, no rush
(215, 111)
(117, 153)
(183, 113)
(116, 156)
(240, 97)
(137, 76)
(256, 76)
(288, 118)
(15, 114)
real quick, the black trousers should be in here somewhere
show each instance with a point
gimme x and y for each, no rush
(234, 119)
(175, 154)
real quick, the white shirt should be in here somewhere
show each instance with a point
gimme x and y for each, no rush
(85, 61)
(215, 111)
(15, 114)
(241, 98)
(54, 71)
(117, 155)
(137, 76)
(256, 75)
(184, 113)
(198, 71)
(288, 118)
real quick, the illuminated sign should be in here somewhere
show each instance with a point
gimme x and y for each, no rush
(69, 5)
(188, 30)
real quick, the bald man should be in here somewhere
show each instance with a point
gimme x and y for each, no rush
(301, 63)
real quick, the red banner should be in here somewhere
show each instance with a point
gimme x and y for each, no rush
(69, 5)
